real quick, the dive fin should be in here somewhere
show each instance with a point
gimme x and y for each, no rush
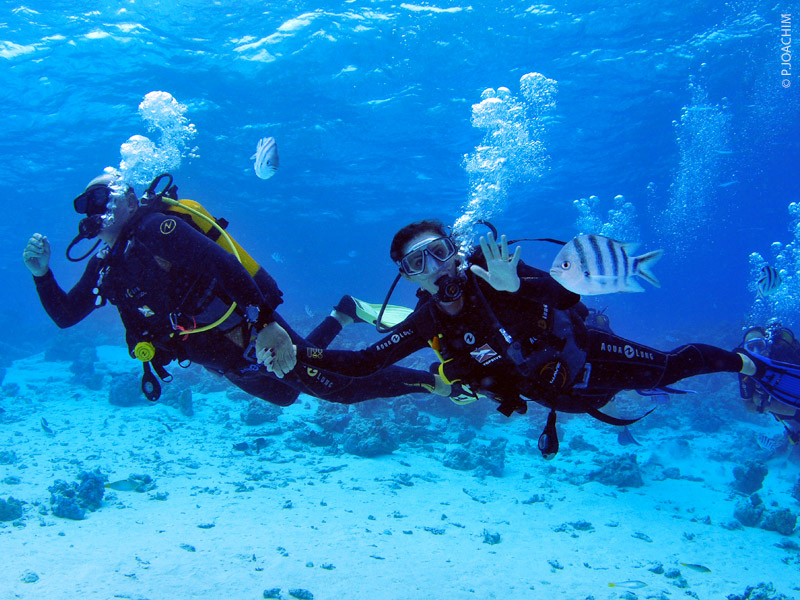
(393, 315)
(658, 391)
(781, 380)
(364, 312)
(625, 437)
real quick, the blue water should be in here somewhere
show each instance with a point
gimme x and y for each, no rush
(677, 106)
(370, 103)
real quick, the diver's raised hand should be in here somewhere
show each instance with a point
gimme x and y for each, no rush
(274, 349)
(36, 255)
(501, 271)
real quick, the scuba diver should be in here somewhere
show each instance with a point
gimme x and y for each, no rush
(508, 331)
(777, 343)
(186, 291)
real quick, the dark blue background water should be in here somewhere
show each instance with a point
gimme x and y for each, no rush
(370, 103)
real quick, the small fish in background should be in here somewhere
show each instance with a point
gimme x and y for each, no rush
(248, 448)
(123, 485)
(766, 443)
(772, 445)
(46, 427)
(768, 281)
(278, 257)
(266, 158)
(629, 585)
(698, 568)
(309, 312)
(591, 265)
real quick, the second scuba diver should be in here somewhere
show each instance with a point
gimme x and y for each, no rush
(186, 291)
(777, 343)
(508, 331)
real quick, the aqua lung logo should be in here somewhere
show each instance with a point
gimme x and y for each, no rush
(315, 374)
(627, 351)
(394, 339)
(167, 226)
(484, 355)
(469, 338)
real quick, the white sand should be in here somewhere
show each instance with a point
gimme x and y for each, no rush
(357, 519)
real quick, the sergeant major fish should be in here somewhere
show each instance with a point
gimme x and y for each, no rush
(594, 264)
(768, 282)
(266, 158)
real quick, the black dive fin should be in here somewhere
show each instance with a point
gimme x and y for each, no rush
(781, 380)
(625, 437)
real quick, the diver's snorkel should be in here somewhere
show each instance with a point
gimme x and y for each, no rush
(450, 289)
(96, 202)
(88, 228)
(379, 322)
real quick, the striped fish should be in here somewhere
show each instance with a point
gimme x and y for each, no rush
(594, 264)
(769, 281)
(266, 158)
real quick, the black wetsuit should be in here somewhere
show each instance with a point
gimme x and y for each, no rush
(163, 275)
(531, 344)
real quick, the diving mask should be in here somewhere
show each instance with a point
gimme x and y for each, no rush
(440, 249)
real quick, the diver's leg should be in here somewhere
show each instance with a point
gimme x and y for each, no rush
(618, 363)
(262, 385)
(386, 383)
(320, 337)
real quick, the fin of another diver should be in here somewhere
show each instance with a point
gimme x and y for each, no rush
(625, 437)
(658, 391)
(781, 380)
(391, 316)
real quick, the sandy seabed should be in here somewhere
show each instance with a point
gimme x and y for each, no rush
(227, 524)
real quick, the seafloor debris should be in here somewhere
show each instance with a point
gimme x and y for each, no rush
(368, 438)
(125, 390)
(258, 412)
(749, 478)
(763, 591)
(10, 510)
(750, 511)
(72, 500)
(620, 471)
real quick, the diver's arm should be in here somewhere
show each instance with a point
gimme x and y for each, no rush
(68, 308)
(359, 363)
(404, 340)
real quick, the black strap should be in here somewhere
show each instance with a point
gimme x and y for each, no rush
(603, 417)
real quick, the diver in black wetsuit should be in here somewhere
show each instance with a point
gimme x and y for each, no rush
(779, 343)
(508, 331)
(173, 287)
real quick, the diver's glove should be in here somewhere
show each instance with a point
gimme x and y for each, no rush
(274, 349)
(501, 271)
